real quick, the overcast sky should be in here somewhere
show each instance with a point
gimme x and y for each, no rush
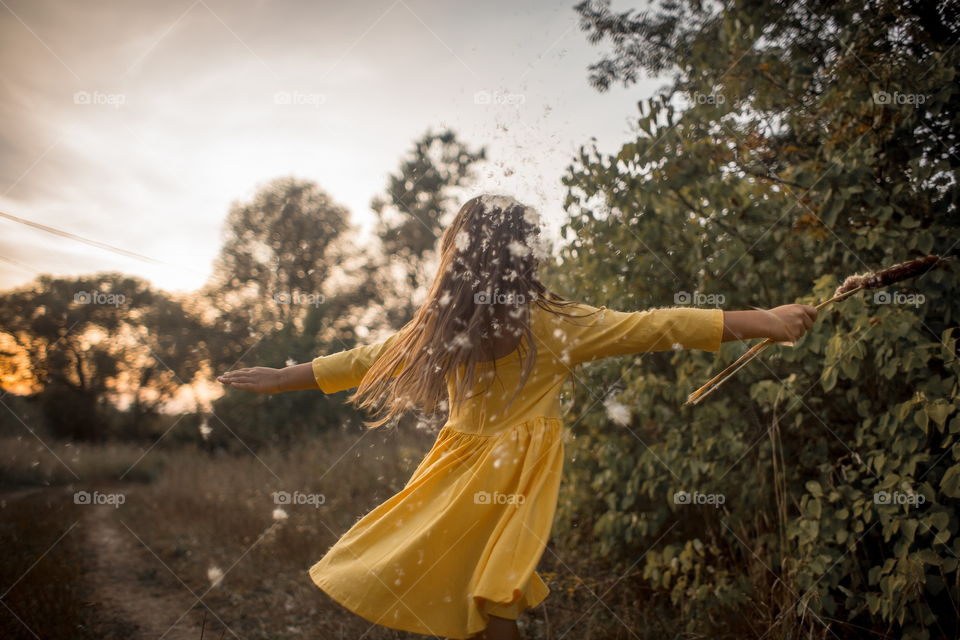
(137, 123)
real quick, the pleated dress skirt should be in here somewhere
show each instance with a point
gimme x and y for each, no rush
(461, 540)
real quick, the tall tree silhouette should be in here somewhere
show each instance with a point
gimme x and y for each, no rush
(411, 212)
(276, 257)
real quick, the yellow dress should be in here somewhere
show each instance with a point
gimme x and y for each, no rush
(463, 538)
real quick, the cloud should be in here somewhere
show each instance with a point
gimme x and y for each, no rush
(138, 123)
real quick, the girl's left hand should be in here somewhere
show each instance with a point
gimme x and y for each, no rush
(256, 379)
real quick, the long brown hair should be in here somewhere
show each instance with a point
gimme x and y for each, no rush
(484, 290)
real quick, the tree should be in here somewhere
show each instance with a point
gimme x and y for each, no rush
(794, 145)
(410, 214)
(274, 262)
(98, 342)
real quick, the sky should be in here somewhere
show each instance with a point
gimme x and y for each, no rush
(137, 123)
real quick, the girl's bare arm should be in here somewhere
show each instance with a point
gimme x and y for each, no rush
(785, 323)
(266, 380)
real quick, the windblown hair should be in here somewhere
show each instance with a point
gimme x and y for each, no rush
(481, 297)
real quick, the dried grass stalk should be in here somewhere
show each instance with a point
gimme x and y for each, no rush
(852, 284)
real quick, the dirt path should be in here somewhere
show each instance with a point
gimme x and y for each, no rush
(132, 584)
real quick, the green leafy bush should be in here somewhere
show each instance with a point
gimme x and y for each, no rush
(833, 465)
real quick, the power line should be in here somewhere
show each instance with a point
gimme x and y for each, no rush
(73, 236)
(17, 263)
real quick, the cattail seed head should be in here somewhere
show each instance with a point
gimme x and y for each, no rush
(890, 275)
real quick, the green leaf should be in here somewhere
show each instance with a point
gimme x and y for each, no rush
(939, 520)
(950, 483)
(909, 222)
(828, 379)
(909, 528)
(939, 410)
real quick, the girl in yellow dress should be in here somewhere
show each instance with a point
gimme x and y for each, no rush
(454, 553)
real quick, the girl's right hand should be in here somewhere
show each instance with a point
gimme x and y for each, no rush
(790, 321)
(256, 379)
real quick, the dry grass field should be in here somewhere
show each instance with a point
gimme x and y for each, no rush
(186, 543)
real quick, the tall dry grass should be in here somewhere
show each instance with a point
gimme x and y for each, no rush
(203, 512)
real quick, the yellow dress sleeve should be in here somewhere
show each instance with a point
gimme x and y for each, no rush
(610, 333)
(345, 369)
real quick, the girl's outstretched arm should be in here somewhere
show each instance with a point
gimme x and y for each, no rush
(266, 380)
(785, 323)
